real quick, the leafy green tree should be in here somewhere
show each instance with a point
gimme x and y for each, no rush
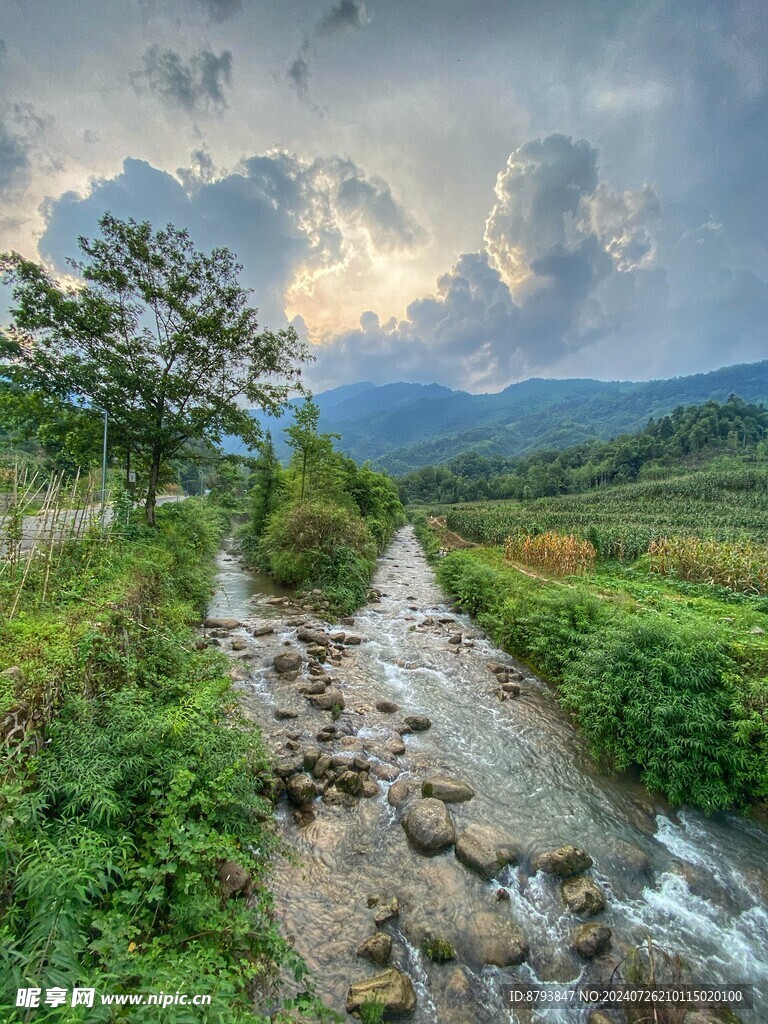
(312, 448)
(160, 336)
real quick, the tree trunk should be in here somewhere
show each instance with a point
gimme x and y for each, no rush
(154, 475)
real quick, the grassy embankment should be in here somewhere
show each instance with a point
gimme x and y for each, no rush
(658, 671)
(141, 782)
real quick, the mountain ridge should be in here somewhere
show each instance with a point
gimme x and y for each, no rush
(403, 426)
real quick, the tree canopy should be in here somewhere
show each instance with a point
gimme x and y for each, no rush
(158, 334)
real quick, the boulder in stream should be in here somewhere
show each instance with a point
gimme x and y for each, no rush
(226, 624)
(234, 879)
(300, 789)
(448, 790)
(483, 849)
(387, 707)
(399, 792)
(563, 862)
(418, 723)
(376, 948)
(289, 661)
(386, 909)
(349, 782)
(282, 714)
(590, 940)
(582, 895)
(494, 939)
(264, 630)
(429, 827)
(328, 700)
(393, 989)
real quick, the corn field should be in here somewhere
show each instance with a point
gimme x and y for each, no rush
(620, 522)
(556, 553)
(742, 567)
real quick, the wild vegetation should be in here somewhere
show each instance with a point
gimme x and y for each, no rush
(677, 687)
(129, 778)
(321, 522)
(129, 781)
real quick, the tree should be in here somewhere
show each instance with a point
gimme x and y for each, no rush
(312, 448)
(266, 486)
(159, 335)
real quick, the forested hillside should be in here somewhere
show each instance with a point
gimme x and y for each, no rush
(402, 427)
(686, 438)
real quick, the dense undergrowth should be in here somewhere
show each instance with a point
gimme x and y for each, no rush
(320, 523)
(145, 781)
(678, 687)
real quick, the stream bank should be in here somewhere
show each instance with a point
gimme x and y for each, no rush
(697, 885)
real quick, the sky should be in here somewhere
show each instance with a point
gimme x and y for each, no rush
(471, 192)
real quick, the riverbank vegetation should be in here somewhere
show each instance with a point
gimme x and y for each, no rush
(644, 605)
(321, 522)
(129, 779)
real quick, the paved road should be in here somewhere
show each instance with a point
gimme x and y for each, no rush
(36, 529)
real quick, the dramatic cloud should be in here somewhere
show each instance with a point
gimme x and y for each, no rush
(287, 219)
(569, 266)
(195, 86)
(221, 10)
(22, 145)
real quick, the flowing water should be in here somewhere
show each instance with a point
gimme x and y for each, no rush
(699, 885)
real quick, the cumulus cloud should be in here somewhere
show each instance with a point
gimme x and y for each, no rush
(197, 85)
(572, 270)
(288, 219)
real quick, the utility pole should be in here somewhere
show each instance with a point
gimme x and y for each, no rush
(104, 465)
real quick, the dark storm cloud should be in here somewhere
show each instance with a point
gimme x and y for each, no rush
(221, 10)
(23, 144)
(277, 212)
(196, 85)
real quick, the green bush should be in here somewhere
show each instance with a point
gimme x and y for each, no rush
(321, 545)
(673, 697)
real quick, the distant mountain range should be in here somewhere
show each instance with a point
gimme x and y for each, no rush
(400, 427)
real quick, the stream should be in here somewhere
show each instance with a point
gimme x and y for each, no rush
(699, 885)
